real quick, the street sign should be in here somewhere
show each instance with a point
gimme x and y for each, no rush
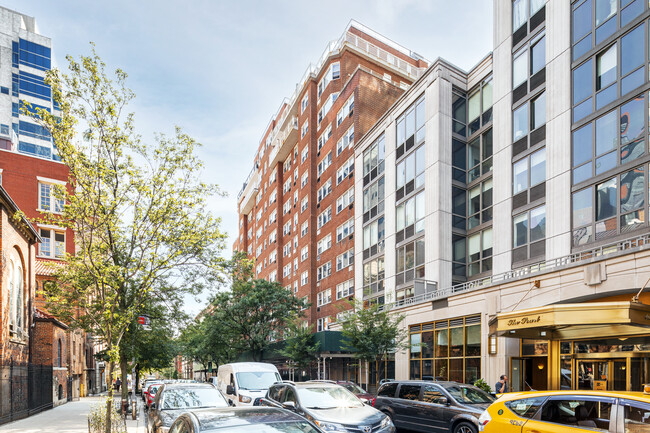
(145, 321)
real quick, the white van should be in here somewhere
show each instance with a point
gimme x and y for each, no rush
(243, 382)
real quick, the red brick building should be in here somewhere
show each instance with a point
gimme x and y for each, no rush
(296, 216)
(18, 240)
(50, 340)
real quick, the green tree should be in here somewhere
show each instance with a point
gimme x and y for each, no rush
(300, 346)
(255, 311)
(138, 210)
(208, 340)
(372, 333)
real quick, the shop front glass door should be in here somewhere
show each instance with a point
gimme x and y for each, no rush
(602, 375)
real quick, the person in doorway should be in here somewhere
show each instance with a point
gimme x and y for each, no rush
(502, 385)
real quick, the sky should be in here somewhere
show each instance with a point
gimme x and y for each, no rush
(220, 69)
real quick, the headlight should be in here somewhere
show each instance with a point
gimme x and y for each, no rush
(330, 426)
(386, 422)
(244, 399)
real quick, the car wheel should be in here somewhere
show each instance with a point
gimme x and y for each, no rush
(464, 427)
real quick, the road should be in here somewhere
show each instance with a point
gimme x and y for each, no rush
(70, 417)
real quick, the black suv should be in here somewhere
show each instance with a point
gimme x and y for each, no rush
(330, 406)
(426, 406)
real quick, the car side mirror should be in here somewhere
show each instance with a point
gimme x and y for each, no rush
(443, 400)
(291, 405)
(230, 390)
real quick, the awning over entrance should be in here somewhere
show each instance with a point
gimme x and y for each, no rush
(574, 321)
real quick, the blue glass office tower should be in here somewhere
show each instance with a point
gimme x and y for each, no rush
(22, 81)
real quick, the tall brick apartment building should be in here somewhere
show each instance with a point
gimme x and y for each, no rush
(29, 170)
(296, 216)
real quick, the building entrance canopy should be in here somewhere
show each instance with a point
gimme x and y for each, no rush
(574, 321)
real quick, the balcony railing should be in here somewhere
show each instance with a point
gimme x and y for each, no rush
(625, 246)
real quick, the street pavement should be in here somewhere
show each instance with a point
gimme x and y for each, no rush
(71, 417)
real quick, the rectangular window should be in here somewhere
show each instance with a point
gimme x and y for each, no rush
(303, 204)
(324, 244)
(373, 160)
(304, 228)
(324, 191)
(345, 200)
(345, 141)
(344, 260)
(346, 170)
(324, 271)
(304, 129)
(345, 289)
(373, 277)
(47, 198)
(324, 217)
(324, 297)
(520, 122)
(303, 179)
(345, 111)
(324, 163)
(606, 68)
(410, 262)
(373, 235)
(344, 230)
(322, 324)
(304, 103)
(304, 254)
(53, 243)
(304, 278)
(322, 139)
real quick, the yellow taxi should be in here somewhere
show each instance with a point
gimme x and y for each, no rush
(568, 411)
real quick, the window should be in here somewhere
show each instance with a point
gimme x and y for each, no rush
(345, 141)
(409, 217)
(322, 324)
(273, 217)
(16, 293)
(409, 392)
(303, 204)
(373, 160)
(304, 129)
(410, 262)
(324, 297)
(344, 230)
(273, 257)
(304, 154)
(324, 191)
(304, 278)
(344, 260)
(273, 276)
(410, 173)
(520, 122)
(480, 204)
(606, 68)
(324, 163)
(538, 111)
(286, 207)
(373, 237)
(479, 156)
(273, 237)
(332, 73)
(529, 232)
(304, 103)
(324, 217)
(529, 171)
(324, 244)
(479, 252)
(343, 315)
(326, 107)
(459, 113)
(345, 111)
(373, 200)
(480, 106)
(295, 201)
(410, 128)
(345, 289)
(47, 199)
(620, 138)
(304, 254)
(304, 228)
(588, 412)
(322, 139)
(286, 250)
(303, 179)
(373, 277)
(53, 243)
(324, 271)
(636, 415)
(286, 270)
(345, 171)
(345, 200)
(525, 407)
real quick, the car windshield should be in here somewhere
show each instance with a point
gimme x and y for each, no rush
(185, 398)
(327, 397)
(270, 427)
(257, 380)
(465, 394)
(354, 389)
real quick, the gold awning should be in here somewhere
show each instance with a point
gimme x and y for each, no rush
(572, 321)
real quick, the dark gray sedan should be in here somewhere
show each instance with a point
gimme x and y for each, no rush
(242, 420)
(331, 407)
(431, 407)
(175, 398)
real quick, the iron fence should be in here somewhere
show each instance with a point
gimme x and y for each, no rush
(25, 389)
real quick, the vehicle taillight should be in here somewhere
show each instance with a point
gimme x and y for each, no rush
(483, 420)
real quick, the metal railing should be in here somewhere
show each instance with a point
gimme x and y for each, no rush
(591, 255)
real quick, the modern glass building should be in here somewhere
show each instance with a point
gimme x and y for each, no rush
(510, 216)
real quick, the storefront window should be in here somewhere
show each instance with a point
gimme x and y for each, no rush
(447, 350)
(534, 347)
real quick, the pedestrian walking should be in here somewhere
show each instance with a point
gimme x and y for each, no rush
(502, 385)
(118, 382)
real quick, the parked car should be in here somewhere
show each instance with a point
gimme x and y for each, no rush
(330, 406)
(242, 419)
(175, 398)
(145, 387)
(243, 382)
(151, 394)
(426, 406)
(568, 411)
(355, 389)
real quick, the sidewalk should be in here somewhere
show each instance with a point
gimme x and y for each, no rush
(70, 417)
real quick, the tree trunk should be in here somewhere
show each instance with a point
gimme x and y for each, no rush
(124, 387)
(109, 400)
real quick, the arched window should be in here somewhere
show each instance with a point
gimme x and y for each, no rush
(12, 296)
(59, 363)
(20, 299)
